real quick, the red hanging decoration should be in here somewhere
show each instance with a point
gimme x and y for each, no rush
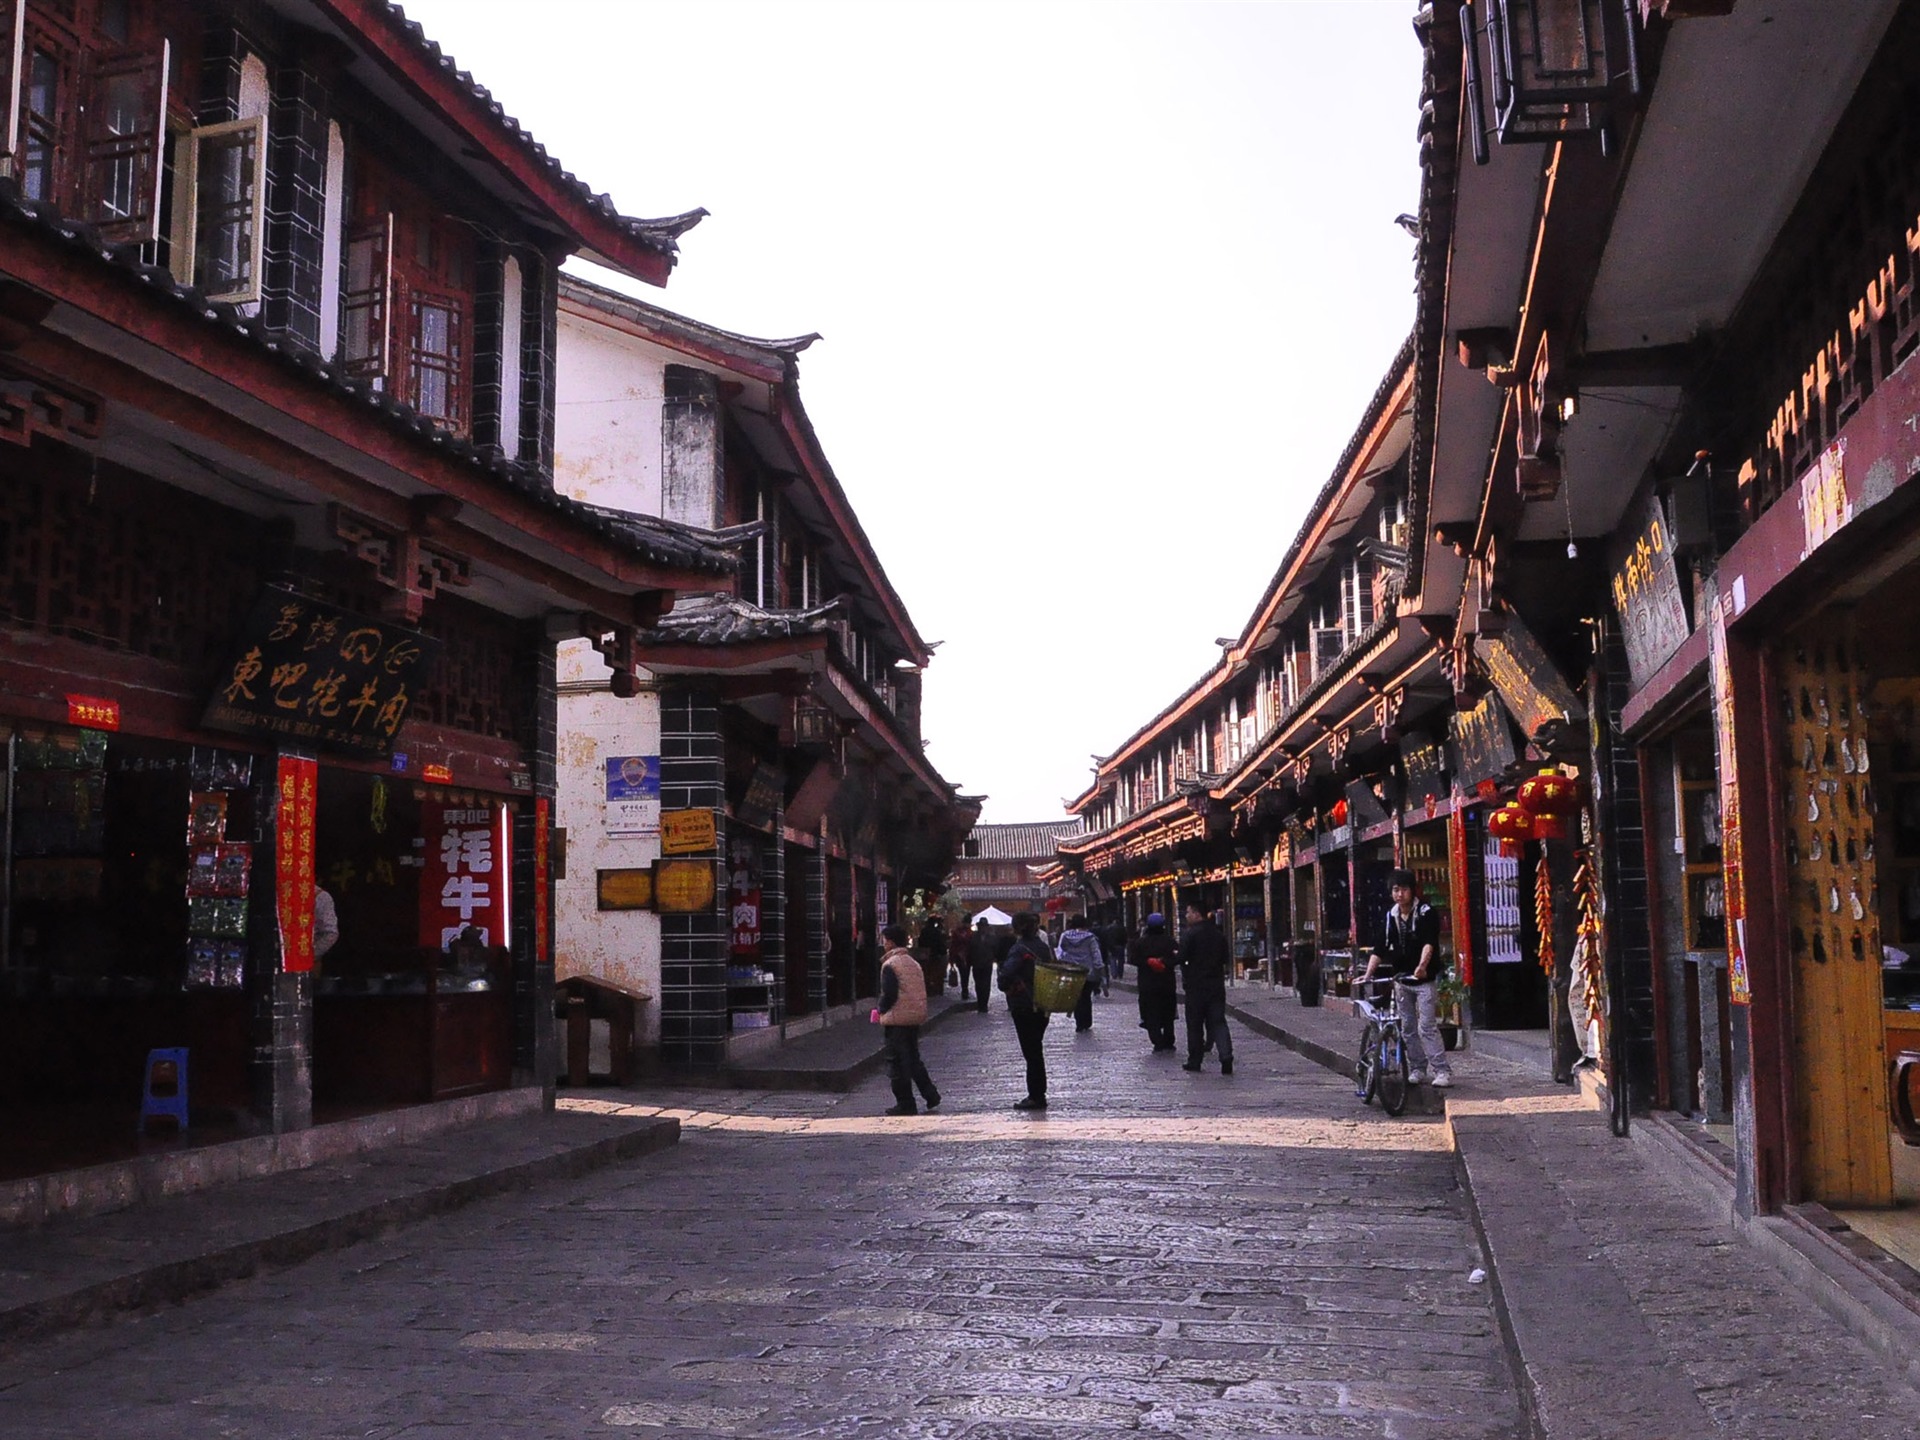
(1543, 910)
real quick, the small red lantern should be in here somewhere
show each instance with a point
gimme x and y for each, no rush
(1550, 793)
(1512, 827)
(1339, 812)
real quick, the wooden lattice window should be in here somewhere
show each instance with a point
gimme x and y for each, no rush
(407, 300)
(86, 112)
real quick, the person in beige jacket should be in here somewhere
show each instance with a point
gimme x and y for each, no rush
(902, 1011)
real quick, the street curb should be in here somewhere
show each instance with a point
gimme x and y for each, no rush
(1421, 1099)
(177, 1280)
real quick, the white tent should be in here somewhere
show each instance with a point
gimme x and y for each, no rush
(993, 915)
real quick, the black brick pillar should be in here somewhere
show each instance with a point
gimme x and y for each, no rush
(815, 936)
(694, 948)
(296, 208)
(536, 1048)
(773, 912)
(1623, 853)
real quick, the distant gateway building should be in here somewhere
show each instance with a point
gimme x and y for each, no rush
(998, 862)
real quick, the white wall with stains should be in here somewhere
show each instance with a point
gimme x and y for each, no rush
(608, 388)
(620, 947)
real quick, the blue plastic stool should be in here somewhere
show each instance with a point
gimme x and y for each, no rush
(165, 1090)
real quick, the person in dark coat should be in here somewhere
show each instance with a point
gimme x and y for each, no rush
(1204, 957)
(1154, 956)
(1117, 942)
(959, 957)
(1029, 1021)
(982, 955)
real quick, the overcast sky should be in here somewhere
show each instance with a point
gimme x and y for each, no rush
(1104, 289)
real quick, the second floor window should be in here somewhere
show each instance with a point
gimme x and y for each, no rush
(86, 113)
(407, 299)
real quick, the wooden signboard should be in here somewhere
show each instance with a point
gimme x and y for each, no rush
(765, 790)
(1527, 679)
(307, 673)
(1646, 594)
(1483, 740)
(623, 889)
(1425, 764)
(683, 887)
(687, 832)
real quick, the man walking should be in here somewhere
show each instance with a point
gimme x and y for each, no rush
(903, 1010)
(981, 956)
(1029, 947)
(1203, 965)
(1154, 955)
(1409, 951)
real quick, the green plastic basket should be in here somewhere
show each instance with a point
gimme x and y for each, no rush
(1056, 987)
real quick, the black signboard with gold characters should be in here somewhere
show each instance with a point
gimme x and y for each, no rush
(307, 673)
(1646, 594)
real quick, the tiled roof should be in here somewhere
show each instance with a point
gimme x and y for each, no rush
(1033, 840)
(661, 235)
(728, 620)
(661, 542)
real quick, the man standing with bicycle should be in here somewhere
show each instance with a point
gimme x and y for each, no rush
(1409, 952)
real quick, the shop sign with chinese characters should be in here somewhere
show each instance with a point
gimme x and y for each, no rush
(90, 712)
(687, 832)
(464, 880)
(633, 795)
(297, 782)
(1646, 595)
(312, 674)
(684, 887)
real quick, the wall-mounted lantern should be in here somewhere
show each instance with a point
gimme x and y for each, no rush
(1557, 68)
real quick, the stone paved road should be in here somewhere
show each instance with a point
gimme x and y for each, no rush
(1188, 1255)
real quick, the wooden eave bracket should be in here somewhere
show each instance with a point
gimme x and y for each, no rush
(411, 566)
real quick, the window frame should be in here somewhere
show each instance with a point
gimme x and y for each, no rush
(186, 264)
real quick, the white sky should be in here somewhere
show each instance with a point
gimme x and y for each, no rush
(1103, 288)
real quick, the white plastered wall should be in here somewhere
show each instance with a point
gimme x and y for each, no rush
(609, 389)
(621, 947)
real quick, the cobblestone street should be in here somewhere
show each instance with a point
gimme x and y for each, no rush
(1160, 1252)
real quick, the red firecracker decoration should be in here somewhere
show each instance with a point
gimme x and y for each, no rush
(1543, 910)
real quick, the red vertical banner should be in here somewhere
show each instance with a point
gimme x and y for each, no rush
(464, 880)
(542, 883)
(1460, 911)
(298, 784)
(1732, 862)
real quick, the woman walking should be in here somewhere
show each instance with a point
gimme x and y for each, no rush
(1029, 1020)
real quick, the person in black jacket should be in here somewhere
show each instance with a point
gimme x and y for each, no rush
(1154, 956)
(1204, 957)
(1029, 1021)
(1409, 952)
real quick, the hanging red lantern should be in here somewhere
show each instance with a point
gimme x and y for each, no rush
(1512, 827)
(1550, 793)
(1339, 812)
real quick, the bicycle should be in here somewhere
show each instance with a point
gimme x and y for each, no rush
(1382, 1069)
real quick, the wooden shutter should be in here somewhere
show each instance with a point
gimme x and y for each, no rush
(13, 37)
(125, 122)
(366, 300)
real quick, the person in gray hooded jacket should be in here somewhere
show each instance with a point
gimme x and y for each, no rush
(1080, 946)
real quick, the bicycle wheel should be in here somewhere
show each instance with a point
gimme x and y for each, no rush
(1366, 1074)
(1391, 1081)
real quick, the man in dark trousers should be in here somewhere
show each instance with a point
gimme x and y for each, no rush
(1203, 965)
(982, 955)
(1154, 956)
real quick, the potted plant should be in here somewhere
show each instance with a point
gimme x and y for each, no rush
(1449, 999)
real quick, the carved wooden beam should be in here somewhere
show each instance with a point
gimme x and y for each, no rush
(411, 567)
